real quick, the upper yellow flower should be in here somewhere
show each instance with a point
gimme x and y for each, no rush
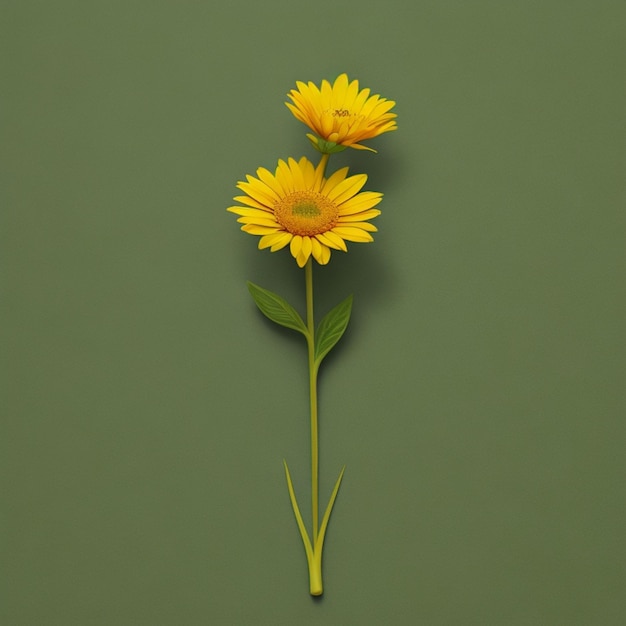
(341, 115)
(296, 205)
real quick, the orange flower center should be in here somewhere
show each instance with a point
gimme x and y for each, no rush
(306, 213)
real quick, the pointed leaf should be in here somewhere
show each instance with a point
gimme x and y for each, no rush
(331, 328)
(277, 309)
(320, 538)
(296, 510)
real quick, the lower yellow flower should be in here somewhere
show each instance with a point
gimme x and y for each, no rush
(296, 205)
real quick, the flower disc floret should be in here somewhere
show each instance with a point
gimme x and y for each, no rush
(306, 213)
(297, 206)
(340, 114)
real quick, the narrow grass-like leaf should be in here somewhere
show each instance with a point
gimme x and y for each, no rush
(277, 309)
(296, 510)
(331, 328)
(320, 538)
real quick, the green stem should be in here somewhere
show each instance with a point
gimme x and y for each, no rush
(313, 368)
(324, 162)
(314, 547)
(310, 322)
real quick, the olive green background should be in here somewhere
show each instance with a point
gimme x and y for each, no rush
(477, 398)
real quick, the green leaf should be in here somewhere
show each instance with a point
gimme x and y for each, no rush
(320, 538)
(308, 548)
(277, 309)
(331, 328)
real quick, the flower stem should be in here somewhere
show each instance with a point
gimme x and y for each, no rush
(313, 367)
(324, 163)
(313, 545)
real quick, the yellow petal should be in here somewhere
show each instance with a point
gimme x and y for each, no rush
(326, 93)
(340, 88)
(326, 124)
(261, 222)
(282, 242)
(306, 247)
(359, 217)
(295, 246)
(320, 252)
(251, 202)
(247, 211)
(360, 100)
(382, 107)
(334, 180)
(275, 241)
(362, 225)
(325, 241)
(347, 188)
(370, 105)
(296, 174)
(270, 180)
(284, 176)
(351, 94)
(361, 202)
(260, 192)
(335, 240)
(254, 229)
(358, 146)
(350, 233)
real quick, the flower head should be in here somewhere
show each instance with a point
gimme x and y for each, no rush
(340, 115)
(296, 205)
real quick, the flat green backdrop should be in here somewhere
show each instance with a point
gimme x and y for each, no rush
(477, 398)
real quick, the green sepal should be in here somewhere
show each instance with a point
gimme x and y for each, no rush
(324, 146)
(331, 328)
(277, 309)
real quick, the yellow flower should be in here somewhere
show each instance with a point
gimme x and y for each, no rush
(341, 115)
(296, 205)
